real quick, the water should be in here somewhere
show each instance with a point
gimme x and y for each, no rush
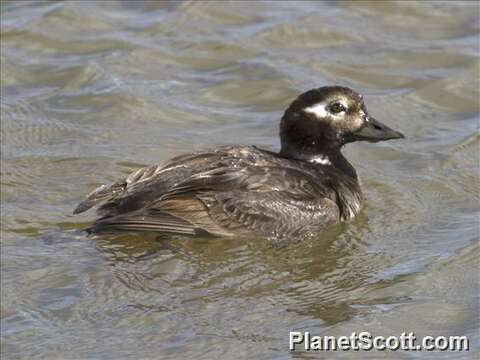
(92, 91)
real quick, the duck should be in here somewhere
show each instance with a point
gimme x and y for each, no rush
(237, 190)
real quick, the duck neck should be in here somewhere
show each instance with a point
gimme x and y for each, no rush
(323, 155)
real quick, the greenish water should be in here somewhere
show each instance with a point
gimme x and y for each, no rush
(91, 91)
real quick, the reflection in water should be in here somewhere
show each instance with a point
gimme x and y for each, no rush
(244, 268)
(93, 90)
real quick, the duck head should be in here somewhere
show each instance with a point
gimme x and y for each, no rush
(323, 120)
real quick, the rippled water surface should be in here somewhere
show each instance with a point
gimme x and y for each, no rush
(91, 91)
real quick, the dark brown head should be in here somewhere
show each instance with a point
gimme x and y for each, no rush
(327, 118)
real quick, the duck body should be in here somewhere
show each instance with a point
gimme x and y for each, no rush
(246, 191)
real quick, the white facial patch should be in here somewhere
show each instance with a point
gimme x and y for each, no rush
(323, 160)
(320, 110)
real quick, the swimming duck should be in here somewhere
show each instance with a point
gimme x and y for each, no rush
(248, 191)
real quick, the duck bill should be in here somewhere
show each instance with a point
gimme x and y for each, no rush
(374, 131)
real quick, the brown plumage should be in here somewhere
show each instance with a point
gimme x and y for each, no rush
(244, 190)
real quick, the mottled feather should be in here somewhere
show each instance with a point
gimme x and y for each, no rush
(230, 190)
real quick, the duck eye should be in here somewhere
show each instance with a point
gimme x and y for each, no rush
(336, 108)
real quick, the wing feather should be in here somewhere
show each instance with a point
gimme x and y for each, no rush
(223, 192)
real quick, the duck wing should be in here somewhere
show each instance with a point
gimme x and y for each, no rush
(270, 201)
(141, 186)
